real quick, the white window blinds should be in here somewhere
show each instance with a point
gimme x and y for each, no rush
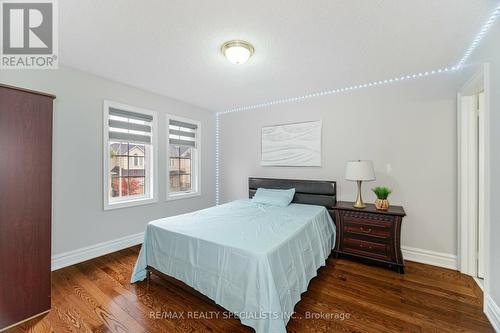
(182, 133)
(128, 126)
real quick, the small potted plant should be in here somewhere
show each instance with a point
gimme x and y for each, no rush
(382, 193)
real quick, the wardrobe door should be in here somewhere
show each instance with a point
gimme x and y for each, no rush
(25, 204)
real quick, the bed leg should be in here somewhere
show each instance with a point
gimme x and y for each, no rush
(148, 279)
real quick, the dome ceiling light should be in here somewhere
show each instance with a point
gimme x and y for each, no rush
(237, 51)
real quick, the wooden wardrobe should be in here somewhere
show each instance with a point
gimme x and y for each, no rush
(25, 203)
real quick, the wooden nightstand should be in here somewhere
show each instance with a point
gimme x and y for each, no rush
(370, 234)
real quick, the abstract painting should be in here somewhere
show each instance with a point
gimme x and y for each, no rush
(292, 144)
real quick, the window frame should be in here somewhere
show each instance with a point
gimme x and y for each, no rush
(195, 162)
(151, 175)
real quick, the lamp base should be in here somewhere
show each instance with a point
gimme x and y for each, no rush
(359, 205)
(359, 200)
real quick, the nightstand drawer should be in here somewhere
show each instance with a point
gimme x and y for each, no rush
(377, 230)
(379, 220)
(366, 248)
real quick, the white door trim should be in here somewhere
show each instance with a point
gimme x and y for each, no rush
(468, 182)
(467, 235)
(481, 195)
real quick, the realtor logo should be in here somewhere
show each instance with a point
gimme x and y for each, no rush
(29, 35)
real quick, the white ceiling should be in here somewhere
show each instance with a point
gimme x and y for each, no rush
(172, 47)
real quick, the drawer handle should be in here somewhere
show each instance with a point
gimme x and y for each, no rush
(369, 247)
(369, 230)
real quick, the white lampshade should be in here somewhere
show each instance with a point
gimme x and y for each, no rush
(359, 170)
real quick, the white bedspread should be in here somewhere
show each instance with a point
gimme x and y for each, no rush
(254, 260)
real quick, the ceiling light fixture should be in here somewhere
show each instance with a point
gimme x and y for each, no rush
(237, 51)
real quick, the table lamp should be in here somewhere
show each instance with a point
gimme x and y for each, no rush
(359, 171)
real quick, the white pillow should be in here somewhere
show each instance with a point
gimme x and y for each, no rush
(281, 198)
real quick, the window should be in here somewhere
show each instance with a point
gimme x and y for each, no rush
(129, 155)
(183, 152)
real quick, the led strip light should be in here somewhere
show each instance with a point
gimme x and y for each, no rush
(341, 90)
(485, 28)
(217, 147)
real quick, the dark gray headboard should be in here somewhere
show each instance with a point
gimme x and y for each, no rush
(310, 192)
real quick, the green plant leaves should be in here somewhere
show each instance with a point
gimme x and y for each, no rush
(382, 192)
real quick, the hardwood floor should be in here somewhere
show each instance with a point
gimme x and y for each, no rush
(96, 296)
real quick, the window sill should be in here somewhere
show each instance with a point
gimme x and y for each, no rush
(179, 196)
(129, 203)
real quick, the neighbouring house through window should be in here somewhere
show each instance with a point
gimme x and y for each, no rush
(183, 156)
(129, 159)
(127, 178)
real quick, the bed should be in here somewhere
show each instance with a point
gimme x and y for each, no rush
(254, 260)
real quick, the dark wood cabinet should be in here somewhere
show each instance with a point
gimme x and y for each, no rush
(370, 234)
(25, 203)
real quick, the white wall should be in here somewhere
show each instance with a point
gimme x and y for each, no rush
(489, 51)
(409, 125)
(78, 216)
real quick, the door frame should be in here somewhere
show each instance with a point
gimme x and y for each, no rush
(467, 235)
